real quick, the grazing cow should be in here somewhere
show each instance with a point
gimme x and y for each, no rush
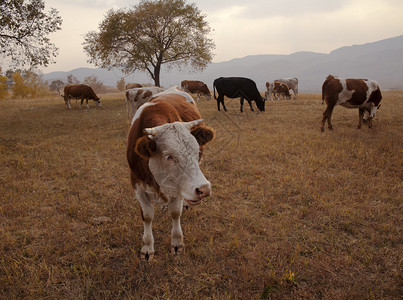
(363, 94)
(80, 91)
(132, 86)
(196, 87)
(165, 145)
(138, 96)
(292, 84)
(234, 87)
(277, 89)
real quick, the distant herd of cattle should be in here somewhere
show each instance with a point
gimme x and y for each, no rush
(363, 94)
(168, 135)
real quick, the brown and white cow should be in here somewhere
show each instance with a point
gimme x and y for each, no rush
(176, 90)
(196, 87)
(133, 85)
(277, 89)
(165, 145)
(80, 91)
(363, 94)
(292, 84)
(138, 96)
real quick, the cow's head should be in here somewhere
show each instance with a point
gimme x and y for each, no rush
(173, 150)
(261, 103)
(97, 101)
(370, 113)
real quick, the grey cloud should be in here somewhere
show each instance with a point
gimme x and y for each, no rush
(96, 4)
(272, 8)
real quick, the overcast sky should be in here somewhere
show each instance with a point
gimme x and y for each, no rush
(241, 28)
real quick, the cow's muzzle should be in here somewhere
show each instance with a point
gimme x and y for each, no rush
(200, 193)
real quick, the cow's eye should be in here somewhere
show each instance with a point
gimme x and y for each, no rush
(170, 158)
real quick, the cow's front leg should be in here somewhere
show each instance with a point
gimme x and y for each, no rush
(81, 103)
(241, 102)
(86, 102)
(147, 213)
(175, 209)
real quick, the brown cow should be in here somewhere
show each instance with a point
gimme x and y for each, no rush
(277, 89)
(363, 94)
(292, 84)
(165, 144)
(80, 91)
(132, 86)
(196, 87)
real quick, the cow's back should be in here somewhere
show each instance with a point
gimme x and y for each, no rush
(250, 89)
(232, 86)
(80, 90)
(186, 110)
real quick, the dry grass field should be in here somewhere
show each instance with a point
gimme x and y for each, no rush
(295, 213)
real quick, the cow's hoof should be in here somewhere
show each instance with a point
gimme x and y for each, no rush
(177, 250)
(147, 256)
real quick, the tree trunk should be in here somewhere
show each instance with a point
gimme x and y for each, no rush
(157, 70)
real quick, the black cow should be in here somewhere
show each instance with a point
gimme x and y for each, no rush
(235, 87)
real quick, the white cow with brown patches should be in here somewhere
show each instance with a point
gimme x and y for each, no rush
(165, 145)
(177, 91)
(363, 94)
(136, 97)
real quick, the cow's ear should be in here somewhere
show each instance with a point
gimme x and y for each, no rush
(145, 147)
(203, 135)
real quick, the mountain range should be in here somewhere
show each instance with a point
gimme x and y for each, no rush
(381, 60)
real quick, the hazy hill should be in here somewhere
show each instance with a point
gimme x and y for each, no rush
(381, 61)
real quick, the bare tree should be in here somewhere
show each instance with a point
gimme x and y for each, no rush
(93, 82)
(120, 84)
(71, 79)
(55, 85)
